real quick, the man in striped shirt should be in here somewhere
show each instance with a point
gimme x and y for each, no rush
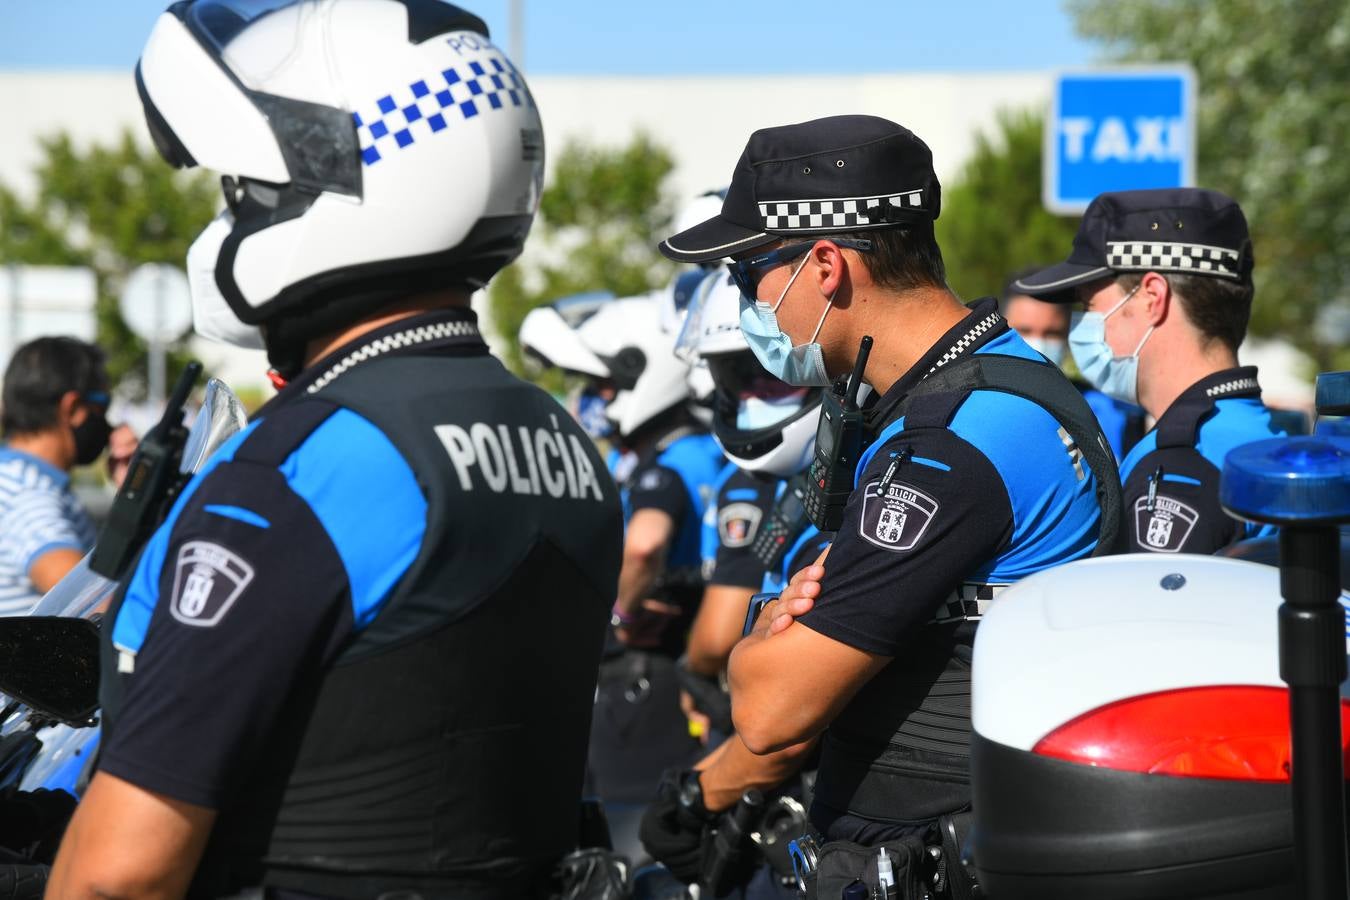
(54, 417)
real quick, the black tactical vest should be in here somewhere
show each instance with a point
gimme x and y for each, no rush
(442, 753)
(899, 752)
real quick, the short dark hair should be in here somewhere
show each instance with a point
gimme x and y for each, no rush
(39, 375)
(1218, 307)
(903, 258)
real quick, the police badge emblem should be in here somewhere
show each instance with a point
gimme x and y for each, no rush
(897, 518)
(1165, 527)
(738, 523)
(208, 580)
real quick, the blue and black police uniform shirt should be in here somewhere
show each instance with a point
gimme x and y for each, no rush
(731, 525)
(264, 586)
(1171, 477)
(678, 478)
(252, 584)
(941, 517)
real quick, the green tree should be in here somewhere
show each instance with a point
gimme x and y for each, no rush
(599, 221)
(110, 208)
(992, 220)
(1273, 121)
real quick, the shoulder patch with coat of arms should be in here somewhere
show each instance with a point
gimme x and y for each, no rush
(738, 523)
(207, 581)
(1165, 527)
(898, 517)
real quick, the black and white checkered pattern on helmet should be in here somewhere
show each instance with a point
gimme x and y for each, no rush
(1186, 258)
(430, 105)
(831, 215)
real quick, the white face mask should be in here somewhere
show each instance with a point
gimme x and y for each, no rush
(212, 316)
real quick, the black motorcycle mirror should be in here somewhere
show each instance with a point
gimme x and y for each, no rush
(51, 664)
(1303, 486)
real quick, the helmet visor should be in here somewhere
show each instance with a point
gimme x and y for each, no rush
(257, 40)
(740, 375)
(691, 332)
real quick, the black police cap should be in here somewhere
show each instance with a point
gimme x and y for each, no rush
(832, 175)
(1188, 231)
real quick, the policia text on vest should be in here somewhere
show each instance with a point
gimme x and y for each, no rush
(524, 461)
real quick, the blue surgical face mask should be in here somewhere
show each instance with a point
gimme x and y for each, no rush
(802, 365)
(1051, 348)
(755, 413)
(1115, 376)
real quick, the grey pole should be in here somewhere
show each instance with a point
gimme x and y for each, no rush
(517, 32)
(156, 348)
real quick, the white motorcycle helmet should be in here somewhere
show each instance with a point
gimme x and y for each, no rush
(547, 337)
(762, 424)
(369, 151)
(626, 335)
(675, 302)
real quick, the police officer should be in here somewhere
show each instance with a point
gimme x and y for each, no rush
(1165, 277)
(358, 658)
(668, 466)
(757, 530)
(1045, 326)
(961, 491)
(766, 428)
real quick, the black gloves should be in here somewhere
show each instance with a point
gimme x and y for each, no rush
(708, 697)
(674, 827)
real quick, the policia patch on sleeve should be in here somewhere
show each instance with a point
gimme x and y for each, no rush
(206, 583)
(1165, 527)
(738, 523)
(896, 518)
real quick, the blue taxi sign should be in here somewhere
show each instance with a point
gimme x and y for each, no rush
(1288, 481)
(1118, 129)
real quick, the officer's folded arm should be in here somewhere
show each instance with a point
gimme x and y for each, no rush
(787, 687)
(646, 542)
(125, 841)
(731, 770)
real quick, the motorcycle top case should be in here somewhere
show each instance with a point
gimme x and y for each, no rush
(1131, 733)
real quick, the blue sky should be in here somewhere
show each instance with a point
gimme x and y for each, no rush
(633, 37)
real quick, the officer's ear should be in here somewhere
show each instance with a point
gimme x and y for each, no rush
(66, 407)
(1157, 297)
(829, 266)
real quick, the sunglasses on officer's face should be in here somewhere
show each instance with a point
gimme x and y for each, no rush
(743, 271)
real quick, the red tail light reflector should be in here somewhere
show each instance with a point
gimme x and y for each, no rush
(1233, 732)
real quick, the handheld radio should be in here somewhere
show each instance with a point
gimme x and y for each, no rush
(839, 444)
(152, 483)
(783, 524)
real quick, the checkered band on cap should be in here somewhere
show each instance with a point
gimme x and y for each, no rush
(1197, 258)
(832, 215)
(430, 105)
